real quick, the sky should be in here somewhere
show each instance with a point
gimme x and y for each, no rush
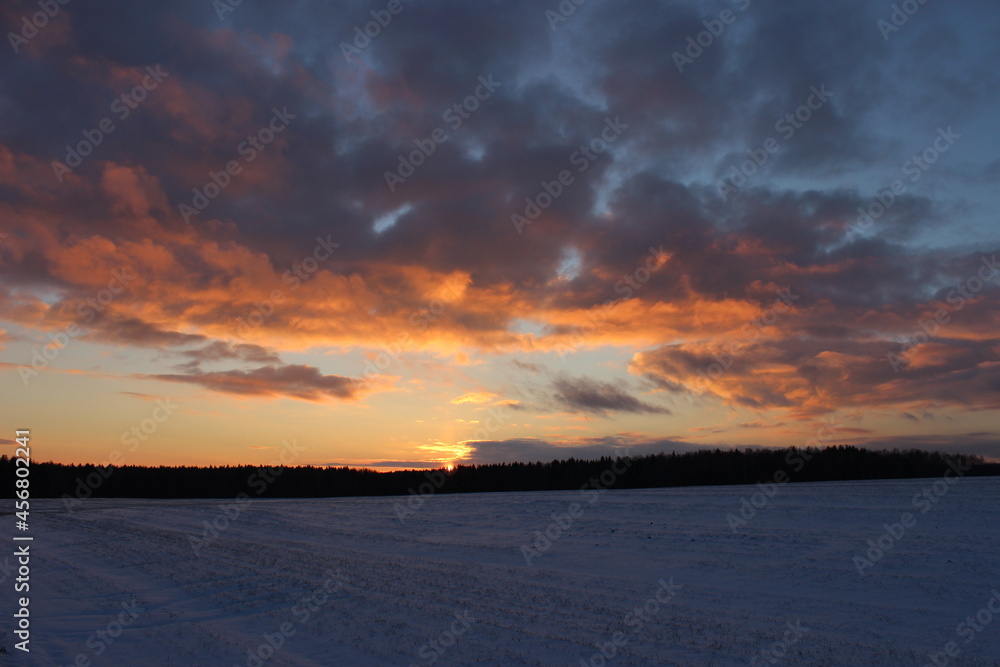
(413, 234)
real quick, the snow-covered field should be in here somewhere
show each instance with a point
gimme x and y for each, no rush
(344, 582)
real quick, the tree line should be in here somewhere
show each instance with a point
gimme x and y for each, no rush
(698, 468)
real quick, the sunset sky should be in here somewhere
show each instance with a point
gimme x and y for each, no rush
(494, 232)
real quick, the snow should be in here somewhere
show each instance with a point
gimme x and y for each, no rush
(354, 586)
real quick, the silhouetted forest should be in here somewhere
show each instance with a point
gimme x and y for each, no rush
(706, 467)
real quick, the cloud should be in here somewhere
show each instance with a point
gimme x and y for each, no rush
(810, 374)
(594, 396)
(140, 396)
(533, 449)
(528, 366)
(220, 350)
(133, 331)
(982, 444)
(475, 397)
(295, 381)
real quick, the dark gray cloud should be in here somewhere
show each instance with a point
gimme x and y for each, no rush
(219, 350)
(354, 118)
(585, 394)
(981, 444)
(295, 381)
(532, 449)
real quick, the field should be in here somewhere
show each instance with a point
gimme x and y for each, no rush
(652, 577)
